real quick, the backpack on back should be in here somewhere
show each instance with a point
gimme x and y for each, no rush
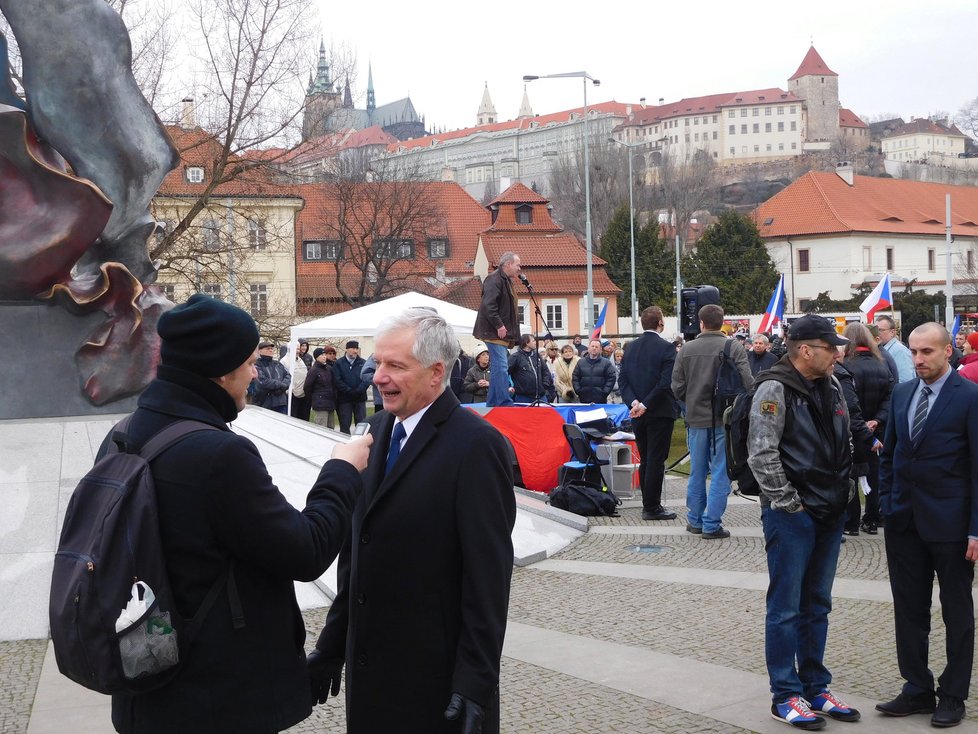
(736, 424)
(727, 385)
(113, 622)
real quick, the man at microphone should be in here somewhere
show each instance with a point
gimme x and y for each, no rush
(497, 324)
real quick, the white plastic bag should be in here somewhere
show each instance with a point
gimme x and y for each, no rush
(136, 607)
(149, 647)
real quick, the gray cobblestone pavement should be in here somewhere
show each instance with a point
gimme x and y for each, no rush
(718, 625)
(20, 669)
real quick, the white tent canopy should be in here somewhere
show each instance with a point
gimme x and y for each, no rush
(365, 320)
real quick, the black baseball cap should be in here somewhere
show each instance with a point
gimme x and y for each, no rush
(811, 326)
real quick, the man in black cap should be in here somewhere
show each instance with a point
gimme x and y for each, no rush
(274, 381)
(351, 388)
(799, 450)
(219, 509)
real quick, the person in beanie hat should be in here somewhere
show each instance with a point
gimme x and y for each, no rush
(969, 362)
(321, 389)
(351, 387)
(219, 509)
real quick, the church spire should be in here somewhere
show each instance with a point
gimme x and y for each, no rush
(322, 82)
(371, 100)
(487, 112)
(347, 97)
(525, 109)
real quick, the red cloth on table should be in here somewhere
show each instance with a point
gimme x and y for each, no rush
(537, 435)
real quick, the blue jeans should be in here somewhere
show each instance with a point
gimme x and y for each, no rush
(704, 509)
(801, 559)
(498, 376)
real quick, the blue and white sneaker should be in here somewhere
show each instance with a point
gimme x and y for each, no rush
(828, 704)
(796, 712)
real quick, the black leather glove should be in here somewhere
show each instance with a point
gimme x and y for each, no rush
(471, 712)
(325, 675)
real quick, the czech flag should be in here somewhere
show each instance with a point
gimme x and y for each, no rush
(599, 324)
(878, 300)
(775, 310)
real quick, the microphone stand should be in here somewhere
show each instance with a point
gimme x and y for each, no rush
(538, 315)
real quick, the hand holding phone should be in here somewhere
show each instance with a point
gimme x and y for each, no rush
(361, 429)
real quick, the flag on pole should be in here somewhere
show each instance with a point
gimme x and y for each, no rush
(599, 324)
(878, 300)
(957, 327)
(775, 309)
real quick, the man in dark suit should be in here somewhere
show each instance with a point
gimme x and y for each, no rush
(645, 382)
(423, 581)
(929, 497)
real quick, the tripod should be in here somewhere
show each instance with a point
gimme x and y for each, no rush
(537, 315)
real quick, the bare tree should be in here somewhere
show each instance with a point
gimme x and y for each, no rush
(688, 184)
(609, 187)
(377, 234)
(967, 118)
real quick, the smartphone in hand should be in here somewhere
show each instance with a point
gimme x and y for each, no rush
(360, 429)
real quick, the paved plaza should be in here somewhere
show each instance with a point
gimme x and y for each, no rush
(635, 627)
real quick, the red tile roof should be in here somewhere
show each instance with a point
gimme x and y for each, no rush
(923, 125)
(812, 65)
(709, 104)
(551, 281)
(822, 203)
(523, 123)
(244, 176)
(539, 250)
(848, 118)
(466, 293)
(519, 194)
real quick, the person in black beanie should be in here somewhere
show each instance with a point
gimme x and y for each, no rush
(218, 506)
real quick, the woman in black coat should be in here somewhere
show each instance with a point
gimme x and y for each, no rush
(874, 384)
(321, 390)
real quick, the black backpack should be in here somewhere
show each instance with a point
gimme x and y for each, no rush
(583, 499)
(727, 385)
(736, 423)
(109, 552)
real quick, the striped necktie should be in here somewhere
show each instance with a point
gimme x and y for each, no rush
(395, 449)
(920, 415)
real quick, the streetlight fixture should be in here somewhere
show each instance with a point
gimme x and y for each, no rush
(631, 211)
(585, 78)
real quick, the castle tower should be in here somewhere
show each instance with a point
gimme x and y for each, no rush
(818, 85)
(321, 100)
(487, 112)
(371, 99)
(525, 109)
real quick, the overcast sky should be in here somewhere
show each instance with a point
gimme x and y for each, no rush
(903, 56)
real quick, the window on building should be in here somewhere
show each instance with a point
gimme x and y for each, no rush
(732, 113)
(792, 109)
(794, 125)
(867, 258)
(400, 249)
(437, 248)
(767, 111)
(211, 235)
(524, 214)
(780, 127)
(767, 127)
(257, 235)
(889, 258)
(212, 289)
(195, 174)
(768, 147)
(259, 299)
(743, 112)
(733, 150)
(714, 118)
(756, 112)
(971, 261)
(780, 110)
(756, 128)
(780, 146)
(555, 315)
(168, 290)
(743, 129)
(803, 261)
(931, 260)
(794, 146)
(686, 122)
(743, 149)
(714, 134)
(804, 304)
(521, 312)
(757, 148)
(732, 129)
(322, 250)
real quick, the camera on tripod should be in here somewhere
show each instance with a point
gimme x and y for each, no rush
(691, 301)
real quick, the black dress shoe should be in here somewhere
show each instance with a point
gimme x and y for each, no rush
(659, 514)
(854, 531)
(869, 528)
(906, 704)
(950, 711)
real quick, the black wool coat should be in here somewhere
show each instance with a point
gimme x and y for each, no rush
(423, 583)
(217, 503)
(498, 308)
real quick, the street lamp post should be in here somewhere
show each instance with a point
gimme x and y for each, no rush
(631, 211)
(585, 78)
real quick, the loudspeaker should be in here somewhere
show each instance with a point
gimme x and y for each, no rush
(692, 300)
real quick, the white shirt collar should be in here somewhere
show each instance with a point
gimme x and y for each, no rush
(411, 422)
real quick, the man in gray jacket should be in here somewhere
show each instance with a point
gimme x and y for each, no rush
(693, 379)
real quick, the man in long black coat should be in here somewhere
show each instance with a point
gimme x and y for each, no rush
(645, 381)
(218, 505)
(423, 582)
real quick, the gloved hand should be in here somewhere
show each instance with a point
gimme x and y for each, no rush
(472, 713)
(325, 675)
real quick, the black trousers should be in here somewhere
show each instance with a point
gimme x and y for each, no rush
(350, 413)
(872, 512)
(913, 563)
(652, 437)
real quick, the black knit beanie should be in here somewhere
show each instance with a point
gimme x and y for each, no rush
(206, 336)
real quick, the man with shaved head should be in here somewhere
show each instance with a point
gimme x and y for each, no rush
(929, 498)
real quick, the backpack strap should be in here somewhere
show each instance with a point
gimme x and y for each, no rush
(165, 438)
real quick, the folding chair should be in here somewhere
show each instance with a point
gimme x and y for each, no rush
(583, 456)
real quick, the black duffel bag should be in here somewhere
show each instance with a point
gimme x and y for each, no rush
(583, 499)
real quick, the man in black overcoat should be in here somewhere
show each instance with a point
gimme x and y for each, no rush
(645, 382)
(423, 581)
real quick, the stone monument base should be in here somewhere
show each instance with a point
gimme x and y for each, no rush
(39, 377)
